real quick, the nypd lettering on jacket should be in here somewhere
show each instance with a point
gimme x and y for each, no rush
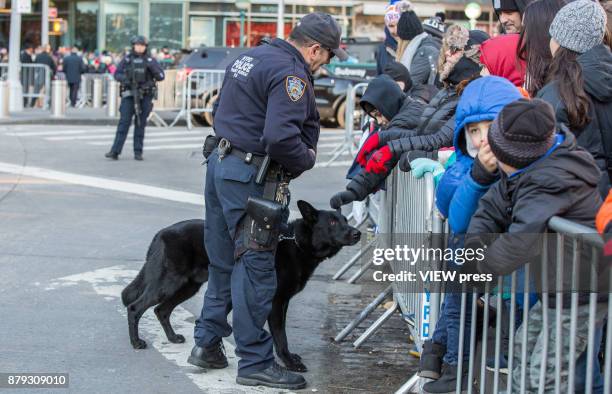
(267, 106)
(243, 66)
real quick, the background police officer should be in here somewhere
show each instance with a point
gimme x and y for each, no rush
(137, 72)
(266, 107)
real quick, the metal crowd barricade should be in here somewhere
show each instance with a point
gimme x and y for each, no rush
(572, 307)
(93, 90)
(203, 87)
(35, 82)
(349, 143)
(407, 216)
(170, 96)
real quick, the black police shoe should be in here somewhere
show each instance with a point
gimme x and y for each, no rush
(111, 155)
(138, 156)
(213, 358)
(274, 376)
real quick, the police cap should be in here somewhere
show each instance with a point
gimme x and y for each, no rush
(323, 29)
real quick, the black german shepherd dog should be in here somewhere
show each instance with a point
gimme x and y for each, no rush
(177, 266)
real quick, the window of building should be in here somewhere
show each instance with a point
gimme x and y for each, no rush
(166, 25)
(121, 21)
(86, 25)
(202, 32)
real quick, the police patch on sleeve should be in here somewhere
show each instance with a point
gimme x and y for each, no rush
(295, 87)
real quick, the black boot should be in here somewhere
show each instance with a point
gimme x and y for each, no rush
(138, 156)
(447, 384)
(209, 358)
(274, 376)
(430, 365)
(111, 155)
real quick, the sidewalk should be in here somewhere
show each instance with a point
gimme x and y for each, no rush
(75, 116)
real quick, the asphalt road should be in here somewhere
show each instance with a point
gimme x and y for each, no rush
(74, 229)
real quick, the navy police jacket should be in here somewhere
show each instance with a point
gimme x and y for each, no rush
(267, 106)
(154, 72)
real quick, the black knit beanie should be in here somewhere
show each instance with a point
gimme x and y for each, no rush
(398, 72)
(409, 25)
(523, 132)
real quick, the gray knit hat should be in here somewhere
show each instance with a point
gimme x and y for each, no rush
(579, 25)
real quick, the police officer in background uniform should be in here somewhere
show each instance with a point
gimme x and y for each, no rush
(267, 125)
(137, 72)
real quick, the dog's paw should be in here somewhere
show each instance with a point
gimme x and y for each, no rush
(294, 363)
(139, 344)
(178, 338)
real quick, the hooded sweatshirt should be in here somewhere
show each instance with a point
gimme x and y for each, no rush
(596, 136)
(384, 94)
(458, 193)
(498, 54)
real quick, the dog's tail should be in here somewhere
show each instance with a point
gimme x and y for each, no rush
(133, 290)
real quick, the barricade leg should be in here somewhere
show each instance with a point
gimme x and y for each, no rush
(353, 260)
(363, 314)
(376, 325)
(360, 272)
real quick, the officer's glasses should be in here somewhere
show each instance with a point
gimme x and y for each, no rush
(329, 52)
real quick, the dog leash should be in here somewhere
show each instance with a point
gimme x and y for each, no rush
(282, 237)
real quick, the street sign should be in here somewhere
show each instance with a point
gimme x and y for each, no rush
(24, 6)
(52, 12)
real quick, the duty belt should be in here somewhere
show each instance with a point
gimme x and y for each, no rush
(276, 186)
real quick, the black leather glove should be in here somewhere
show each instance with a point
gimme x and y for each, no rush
(342, 198)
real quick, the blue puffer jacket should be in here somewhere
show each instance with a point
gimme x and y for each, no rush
(458, 194)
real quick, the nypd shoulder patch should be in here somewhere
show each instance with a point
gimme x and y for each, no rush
(295, 87)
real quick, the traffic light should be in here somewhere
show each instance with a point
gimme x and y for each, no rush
(58, 27)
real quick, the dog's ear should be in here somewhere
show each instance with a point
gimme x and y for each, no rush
(309, 213)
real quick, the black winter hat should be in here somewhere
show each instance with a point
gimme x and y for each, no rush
(398, 72)
(382, 94)
(409, 25)
(523, 132)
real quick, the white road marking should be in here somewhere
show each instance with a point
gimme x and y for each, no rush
(334, 164)
(108, 283)
(111, 184)
(151, 140)
(105, 183)
(42, 133)
(111, 133)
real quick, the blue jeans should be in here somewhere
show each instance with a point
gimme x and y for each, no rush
(581, 365)
(448, 326)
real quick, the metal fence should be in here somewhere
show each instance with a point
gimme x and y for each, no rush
(203, 87)
(489, 321)
(93, 90)
(351, 136)
(35, 81)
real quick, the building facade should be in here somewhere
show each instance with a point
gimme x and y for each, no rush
(109, 24)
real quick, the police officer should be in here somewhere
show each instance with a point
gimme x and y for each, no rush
(266, 111)
(137, 72)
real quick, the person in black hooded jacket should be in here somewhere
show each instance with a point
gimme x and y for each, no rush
(544, 174)
(436, 122)
(579, 85)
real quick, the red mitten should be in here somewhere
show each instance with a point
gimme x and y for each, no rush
(370, 145)
(382, 161)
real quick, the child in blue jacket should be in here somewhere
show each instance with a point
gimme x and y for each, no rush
(457, 196)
